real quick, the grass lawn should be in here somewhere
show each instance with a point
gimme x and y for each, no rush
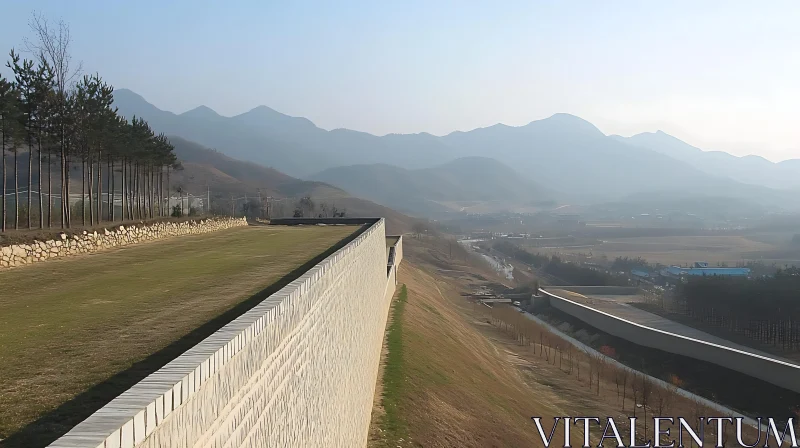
(75, 333)
(392, 424)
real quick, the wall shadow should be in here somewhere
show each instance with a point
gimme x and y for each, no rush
(59, 421)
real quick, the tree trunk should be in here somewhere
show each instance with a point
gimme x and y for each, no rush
(109, 196)
(135, 189)
(64, 198)
(112, 189)
(30, 180)
(67, 165)
(130, 190)
(89, 180)
(39, 174)
(169, 194)
(4, 202)
(146, 191)
(16, 190)
(84, 176)
(137, 185)
(49, 190)
(152, 193)
(124, 190)
(99, 186)
(161, 191)
(128, 180)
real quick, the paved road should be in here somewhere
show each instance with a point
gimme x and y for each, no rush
(614, 305)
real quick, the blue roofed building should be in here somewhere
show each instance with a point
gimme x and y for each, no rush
(702, 268)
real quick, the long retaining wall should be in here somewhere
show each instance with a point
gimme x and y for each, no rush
(299, 369)
(602, 290)
(89, 242)
(774, 371)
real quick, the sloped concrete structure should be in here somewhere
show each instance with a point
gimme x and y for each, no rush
(299, 369)
(776, 371)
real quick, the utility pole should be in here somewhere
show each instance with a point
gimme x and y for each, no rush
(208, 200)
(233, 207)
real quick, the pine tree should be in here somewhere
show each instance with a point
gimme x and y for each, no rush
(44, 110)
(8, 119)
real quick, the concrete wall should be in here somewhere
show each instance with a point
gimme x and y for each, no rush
(773, 371)
(85, 242)
(397, 242)
(299, 369)
(601, 290)
(394, 252)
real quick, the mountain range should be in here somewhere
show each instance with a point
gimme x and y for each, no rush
(467, 184)
(563, 154)
(748, 169)
(223, 176)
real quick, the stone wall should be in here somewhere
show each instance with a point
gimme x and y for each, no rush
(86, 242)
(299, 369)
(773, 371)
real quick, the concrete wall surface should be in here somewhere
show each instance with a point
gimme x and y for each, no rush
(297, 370)
(774, 371)
(603, 290)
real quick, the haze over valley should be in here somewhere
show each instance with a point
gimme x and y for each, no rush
(561, 160)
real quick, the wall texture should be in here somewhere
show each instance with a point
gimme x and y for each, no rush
(780, 373)
(65, 246)
(299, 369)
(604, 290)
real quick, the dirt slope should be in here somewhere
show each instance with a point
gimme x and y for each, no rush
(459, 389)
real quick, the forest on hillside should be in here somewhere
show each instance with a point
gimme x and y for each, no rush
(57, 128)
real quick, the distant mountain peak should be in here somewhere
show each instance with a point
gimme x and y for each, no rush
(564, 122)
(201, 111)
(262, 109)
(130, 96)
(264, 115)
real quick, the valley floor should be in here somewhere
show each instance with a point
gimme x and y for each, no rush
(75, 333)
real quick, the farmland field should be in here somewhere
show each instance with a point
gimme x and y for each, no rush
(670, 250)
(74, 333)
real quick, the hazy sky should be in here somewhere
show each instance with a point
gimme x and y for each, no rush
(718, 74)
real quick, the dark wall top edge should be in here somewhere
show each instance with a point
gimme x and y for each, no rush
(330, 221)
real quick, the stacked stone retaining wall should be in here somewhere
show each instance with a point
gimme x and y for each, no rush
(299, 369)
(88, 242)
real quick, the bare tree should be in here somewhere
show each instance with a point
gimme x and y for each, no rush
(663, 398)
(636, 388)
(51, 46)
(624, 379)
(647, 390)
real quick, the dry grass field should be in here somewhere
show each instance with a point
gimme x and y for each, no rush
(75, 333)
(457, 388)
(681, 250)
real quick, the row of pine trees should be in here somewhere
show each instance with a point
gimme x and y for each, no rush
(60, 129)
